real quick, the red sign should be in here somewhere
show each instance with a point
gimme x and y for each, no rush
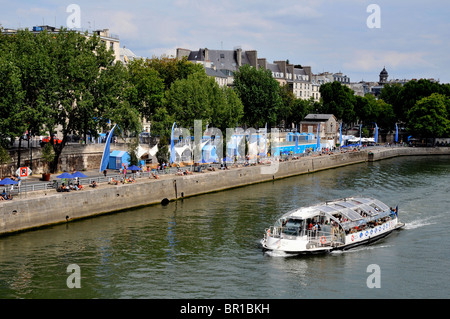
(23, 172)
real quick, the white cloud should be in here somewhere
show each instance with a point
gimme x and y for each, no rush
(365, 60)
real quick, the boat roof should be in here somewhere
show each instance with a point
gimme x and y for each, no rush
(350, 208)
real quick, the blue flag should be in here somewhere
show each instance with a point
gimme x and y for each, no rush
(172, 146)
(318, 138)
(376, 133)
(396, 133)
(106, 151)
(360, 128)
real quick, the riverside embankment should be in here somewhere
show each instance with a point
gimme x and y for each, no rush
(49, 207)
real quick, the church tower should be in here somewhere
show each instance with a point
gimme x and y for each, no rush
(383, 77)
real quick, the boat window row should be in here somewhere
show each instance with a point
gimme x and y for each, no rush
(351, 215)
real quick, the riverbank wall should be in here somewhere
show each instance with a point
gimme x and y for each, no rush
(45, 208)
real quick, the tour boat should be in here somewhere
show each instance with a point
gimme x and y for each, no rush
(334, 225)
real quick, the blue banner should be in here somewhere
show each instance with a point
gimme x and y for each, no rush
(172, 147)
(396, 133)
(360, 129)
(318, 138)
(265, 140)
(376, 133)
(106, 151)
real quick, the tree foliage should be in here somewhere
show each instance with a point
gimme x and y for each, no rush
(199, 97)
(339, 100)
(65, 81)
(260, 95)
(429, 116)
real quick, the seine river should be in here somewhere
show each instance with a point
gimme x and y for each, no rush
(208, 246)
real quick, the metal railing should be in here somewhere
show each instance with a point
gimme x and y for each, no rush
(321, 238)
(317, 238)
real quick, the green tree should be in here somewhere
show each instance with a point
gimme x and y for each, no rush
(132, 150)
(170, 69)
(429, 117)
(391, 95)
(228, 110)
(301, 108)
(199, 97)
(339, 100)
(191, 99)
(403, 98)
(12, 97)
(260, 95)
(63, 81)
(4, 156)
(286, 108)
(145, 91)
(32, 84)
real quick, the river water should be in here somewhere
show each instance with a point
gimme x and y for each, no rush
(208, 246)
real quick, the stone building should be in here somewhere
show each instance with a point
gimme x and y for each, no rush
(223, 63)
(328, 130)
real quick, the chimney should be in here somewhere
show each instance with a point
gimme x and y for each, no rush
(239, 57)
(308, 72)
(181, 53)
(252, 58)
(262, 63)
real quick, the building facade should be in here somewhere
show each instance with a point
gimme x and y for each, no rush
(221, 64)
(328, 130)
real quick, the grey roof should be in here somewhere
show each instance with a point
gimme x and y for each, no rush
(215, 73)
(319, 117)
(221, 59)
(273, 67)
(299, 71)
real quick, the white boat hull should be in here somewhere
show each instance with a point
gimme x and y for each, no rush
(309, 242)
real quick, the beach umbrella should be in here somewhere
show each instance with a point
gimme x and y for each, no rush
(8, 181)
(134, 168)
(65, 175)
(79, 175)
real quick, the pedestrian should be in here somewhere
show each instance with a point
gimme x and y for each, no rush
(104, 172)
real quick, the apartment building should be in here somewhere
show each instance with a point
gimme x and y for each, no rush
(221, 64)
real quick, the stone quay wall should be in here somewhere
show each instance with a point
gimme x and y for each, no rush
(49, 207)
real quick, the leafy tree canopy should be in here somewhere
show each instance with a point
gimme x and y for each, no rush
(429, 116)
(260, 95)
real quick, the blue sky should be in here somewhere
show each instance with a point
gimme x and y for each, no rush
(413, 40)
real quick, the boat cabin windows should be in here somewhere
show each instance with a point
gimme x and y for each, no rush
(293, 227)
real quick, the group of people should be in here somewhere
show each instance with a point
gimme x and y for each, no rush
(181, 172)
(5, 196)
(71, 187)
(125, 180)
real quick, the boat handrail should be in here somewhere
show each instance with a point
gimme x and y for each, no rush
(324, 237)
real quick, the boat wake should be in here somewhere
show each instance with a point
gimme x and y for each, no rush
(420, 223)
(282, 254)
(358, 249)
